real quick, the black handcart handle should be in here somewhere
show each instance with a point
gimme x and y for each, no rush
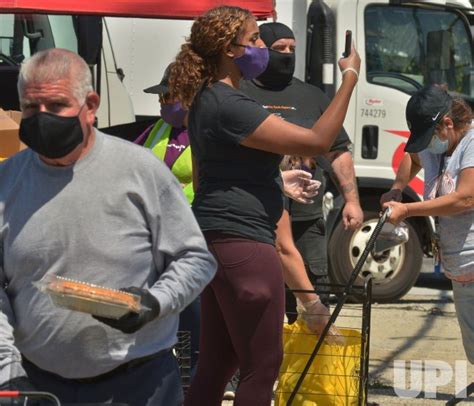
(460, 397)
(25, 394)
(341, 301)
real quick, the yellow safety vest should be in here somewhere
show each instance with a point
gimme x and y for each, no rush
(182, 168)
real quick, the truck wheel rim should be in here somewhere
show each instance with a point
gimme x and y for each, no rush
(384, 266)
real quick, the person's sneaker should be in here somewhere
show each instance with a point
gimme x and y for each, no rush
(231, 387)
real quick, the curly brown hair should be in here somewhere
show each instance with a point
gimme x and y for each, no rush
(198, 59)
(461, 114)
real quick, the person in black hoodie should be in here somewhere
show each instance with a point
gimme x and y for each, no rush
(280, 93)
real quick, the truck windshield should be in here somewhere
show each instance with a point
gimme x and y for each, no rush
(23, 35)
(410, 47)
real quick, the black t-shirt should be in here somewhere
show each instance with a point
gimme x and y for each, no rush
(240, 189)
(302, 104)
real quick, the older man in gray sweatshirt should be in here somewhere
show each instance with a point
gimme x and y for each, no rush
(80, 204)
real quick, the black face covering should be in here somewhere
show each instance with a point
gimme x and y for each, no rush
(280, 70)
(51, 135)
(281, 66)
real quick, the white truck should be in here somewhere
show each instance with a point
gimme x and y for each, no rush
(404, 45)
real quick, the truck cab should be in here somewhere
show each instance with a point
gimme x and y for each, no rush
(404, 45)
(21, 35)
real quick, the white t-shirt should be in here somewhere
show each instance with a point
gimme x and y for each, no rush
(456, 231)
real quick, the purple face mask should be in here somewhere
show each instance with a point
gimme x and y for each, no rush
(173, 114)
(253, 62)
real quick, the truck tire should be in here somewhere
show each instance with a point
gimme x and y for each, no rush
(394, 271)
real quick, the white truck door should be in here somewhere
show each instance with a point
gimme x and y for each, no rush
(380, 129)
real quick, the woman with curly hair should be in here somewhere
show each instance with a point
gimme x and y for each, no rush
(237, 147)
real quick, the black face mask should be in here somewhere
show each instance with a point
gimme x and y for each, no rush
(51, 135)
(280, 70)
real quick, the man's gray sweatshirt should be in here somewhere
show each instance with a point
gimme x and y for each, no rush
(115, 218)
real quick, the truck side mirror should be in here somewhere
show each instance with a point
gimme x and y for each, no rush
(89, 37)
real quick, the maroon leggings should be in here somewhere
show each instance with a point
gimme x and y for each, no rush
(241, 323)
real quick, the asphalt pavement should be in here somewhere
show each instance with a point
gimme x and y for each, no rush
(416, 353)
(416, 344)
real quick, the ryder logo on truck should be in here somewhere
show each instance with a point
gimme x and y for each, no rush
(373, 102)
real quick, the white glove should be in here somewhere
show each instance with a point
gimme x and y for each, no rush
(316, 316)
(299, 186)
(328, 204)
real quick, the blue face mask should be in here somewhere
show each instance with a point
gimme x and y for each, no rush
(437, 146)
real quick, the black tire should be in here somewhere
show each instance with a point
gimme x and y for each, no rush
(394, 271)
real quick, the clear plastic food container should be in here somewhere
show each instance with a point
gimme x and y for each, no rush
(89, 298)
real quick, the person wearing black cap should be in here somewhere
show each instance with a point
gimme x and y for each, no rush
(301, 103)
(168, 137)
(442, 143)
